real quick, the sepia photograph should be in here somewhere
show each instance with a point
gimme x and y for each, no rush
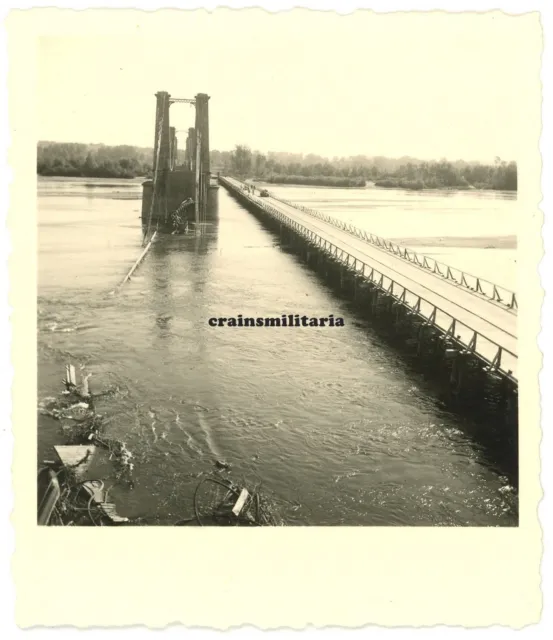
(278, 274)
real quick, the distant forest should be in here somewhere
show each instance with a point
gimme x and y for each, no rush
(102, 161)
(92, 160)
(356, 171)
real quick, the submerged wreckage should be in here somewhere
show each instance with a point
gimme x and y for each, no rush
(72, 489)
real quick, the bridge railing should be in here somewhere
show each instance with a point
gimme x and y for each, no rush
(458, 276)
(495, 357)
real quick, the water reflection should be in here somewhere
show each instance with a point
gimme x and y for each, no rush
(179, 259)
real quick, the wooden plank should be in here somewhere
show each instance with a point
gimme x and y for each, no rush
(70, 376)
(110, 510)
(49, 494)
(137, 262)
(97, 465)
(78, 457)
(240, 502)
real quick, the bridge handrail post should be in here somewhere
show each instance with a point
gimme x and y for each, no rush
(496, 364)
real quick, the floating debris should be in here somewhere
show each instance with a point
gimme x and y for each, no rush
(68, 495)
(71, 489)
(221, 502)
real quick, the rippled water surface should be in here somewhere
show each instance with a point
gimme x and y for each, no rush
(330, 421)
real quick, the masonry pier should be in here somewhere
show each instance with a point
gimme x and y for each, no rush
(179, 196)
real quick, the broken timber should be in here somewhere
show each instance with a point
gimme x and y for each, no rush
(138, 261)
(78, 458)
(70, 378)
(244, 495)
(77, 468)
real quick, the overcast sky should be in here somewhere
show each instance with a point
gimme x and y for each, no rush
(428, 86)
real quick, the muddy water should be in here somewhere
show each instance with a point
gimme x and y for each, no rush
(328, 420)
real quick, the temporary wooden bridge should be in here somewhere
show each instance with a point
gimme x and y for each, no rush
(466, 322)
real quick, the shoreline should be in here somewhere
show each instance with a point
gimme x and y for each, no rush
(371, 185)
(478, 242)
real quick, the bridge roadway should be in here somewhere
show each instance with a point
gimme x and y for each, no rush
(495, 324)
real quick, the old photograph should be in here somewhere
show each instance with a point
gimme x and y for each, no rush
(278, 280)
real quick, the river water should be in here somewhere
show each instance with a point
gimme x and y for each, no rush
(329, 421)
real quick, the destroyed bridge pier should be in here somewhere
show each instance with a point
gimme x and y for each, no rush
(178, 195)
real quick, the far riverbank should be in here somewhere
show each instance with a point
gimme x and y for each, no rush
(482, 242)
(380, 185)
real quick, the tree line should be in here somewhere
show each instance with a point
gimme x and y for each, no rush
(125, 161)
(356, 171)
(92, 160)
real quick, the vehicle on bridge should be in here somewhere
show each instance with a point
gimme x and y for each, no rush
(264, 193)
